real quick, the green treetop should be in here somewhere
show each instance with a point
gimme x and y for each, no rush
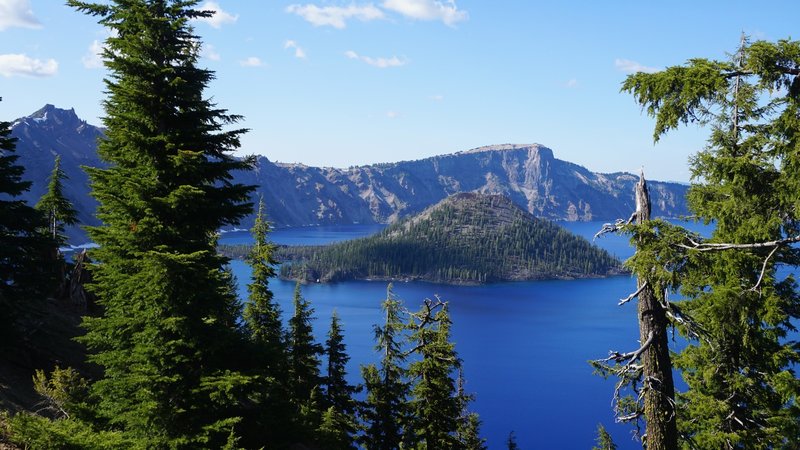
(55, 206)
(436, 404)
(739, 366)
(386, 411)
(304, 353)
(262, 314)
(339, 421)
(166, 335)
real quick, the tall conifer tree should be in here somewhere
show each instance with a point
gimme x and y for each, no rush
(436, 404)
(304, 377)
(166, 330)
(739, 367)
(23, 280)
(55, 206)
(338, 396)
(386, 411)
(262, 314)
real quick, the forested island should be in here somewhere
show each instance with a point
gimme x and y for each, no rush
(466, 238)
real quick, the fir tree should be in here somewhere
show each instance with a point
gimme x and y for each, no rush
(166, 335)
(604, 441)
(511, 442)
(338, 392)
(59, 212)
(304, 353)
(23, 279)
(338, 397)
(262, 319)
(262, 315)
(385, 410)
(436, 407)
(55, 206)
(739, 366)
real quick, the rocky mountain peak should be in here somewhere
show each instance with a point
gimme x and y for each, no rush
(52, 117)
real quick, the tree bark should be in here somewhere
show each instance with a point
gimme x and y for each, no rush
(659, 390)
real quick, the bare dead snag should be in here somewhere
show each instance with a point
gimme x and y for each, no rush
(648, 369)
(659, 388)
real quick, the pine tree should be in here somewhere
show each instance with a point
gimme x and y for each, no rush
(262, 315)
(55, 206)
(385, 410)
(739, 366)
(166, 334)
(23, 279)
(304, 353)
(338, 396)
(262, 320)
(436, 406)
(604, 441)
(59, 212)
(511, 442)
(469, 425)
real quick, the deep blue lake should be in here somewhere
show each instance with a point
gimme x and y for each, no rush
(525, 345)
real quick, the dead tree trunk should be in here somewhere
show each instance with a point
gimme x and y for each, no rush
(658, 386)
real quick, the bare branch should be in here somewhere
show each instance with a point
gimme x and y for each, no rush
(622, 301)
(630, 357)
(764, 269)
(718, 246)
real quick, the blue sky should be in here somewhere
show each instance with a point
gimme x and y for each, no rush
(341, 82)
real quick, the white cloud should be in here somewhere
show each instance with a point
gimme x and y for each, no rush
(298, 51)
(628, 66)
(252, 61)
(219, 18)
(18, 64)
(571, 83)
(392, 114)
(210, 52)
(446, 11)
(381, 63)
(335, 16)
(437, 97)
(93, 59)
(17, 13)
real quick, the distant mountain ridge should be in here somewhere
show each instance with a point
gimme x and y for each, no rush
(300, 195)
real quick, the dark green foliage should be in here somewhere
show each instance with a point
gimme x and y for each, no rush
(468, 238)
(167, 340)
(55, 206)
(24, 279)
(262, 315)
(469, 433)
(511, 442)
(338, 395)
(423, 406)
(436, 406)
(304, 378)
(739, 366)
(336, 430)
(604, 441)
(272, 413)
(385, 411)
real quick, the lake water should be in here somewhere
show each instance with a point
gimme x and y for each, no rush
(525, 345)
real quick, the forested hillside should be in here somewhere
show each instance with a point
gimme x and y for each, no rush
(467, 238)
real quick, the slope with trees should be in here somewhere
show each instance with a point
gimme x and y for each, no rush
(467, 238)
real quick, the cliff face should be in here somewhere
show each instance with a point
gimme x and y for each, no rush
(299, 195)
(528, 174)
